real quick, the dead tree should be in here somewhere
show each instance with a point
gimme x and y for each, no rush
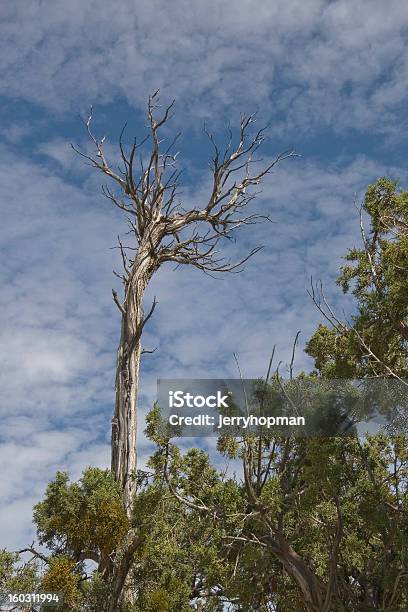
(146, 190)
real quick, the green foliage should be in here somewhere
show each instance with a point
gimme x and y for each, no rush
(79, 521)
(95, 593)
(86, 516)
(62, 577)
(310, 481)
(180, 552)
(17, 576)
(377, 276)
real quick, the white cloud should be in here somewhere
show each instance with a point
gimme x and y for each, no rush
(16, 131)
(59, 150)
(319, 63)
(29, 459)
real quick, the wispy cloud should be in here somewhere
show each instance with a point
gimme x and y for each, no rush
(308, 64)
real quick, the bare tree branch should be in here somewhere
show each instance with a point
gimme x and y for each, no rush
(34, 552)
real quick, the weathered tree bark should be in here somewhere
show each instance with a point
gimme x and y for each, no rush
(124, 422)
(313, 591)
(119, 592)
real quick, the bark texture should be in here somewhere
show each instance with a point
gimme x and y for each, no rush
(124, 422)
(121, 592)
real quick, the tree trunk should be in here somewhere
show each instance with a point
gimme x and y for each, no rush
(119, 592)
(312, 589)
(124, 422)
(314, 592)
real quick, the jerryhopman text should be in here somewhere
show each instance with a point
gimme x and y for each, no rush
(205, 420)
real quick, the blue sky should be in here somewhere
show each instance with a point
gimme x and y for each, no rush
(331, 77)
